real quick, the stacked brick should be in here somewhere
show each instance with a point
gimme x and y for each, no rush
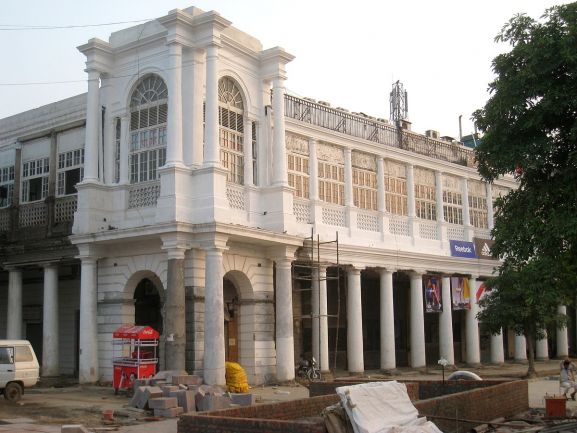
(169, 396)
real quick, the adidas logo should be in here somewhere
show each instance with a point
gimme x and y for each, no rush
(486, 251)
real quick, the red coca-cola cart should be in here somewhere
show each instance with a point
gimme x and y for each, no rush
(137, 358)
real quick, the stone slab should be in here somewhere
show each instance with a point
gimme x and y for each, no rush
(185, 400)
(242, 399)
(163, 403)
(167, 389)
(186, 380)
(168, 413)
(210, 402)
(73, 428)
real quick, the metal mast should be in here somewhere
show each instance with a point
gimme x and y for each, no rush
(399, 103)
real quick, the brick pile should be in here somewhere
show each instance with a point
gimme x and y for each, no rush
(169, 396)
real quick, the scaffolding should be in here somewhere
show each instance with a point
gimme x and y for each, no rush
(309, 270)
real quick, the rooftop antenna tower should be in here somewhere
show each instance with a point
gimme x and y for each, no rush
(399, 103)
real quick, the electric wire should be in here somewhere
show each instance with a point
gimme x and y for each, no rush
(21, 27)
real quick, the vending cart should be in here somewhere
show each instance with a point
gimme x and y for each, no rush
(134, 355)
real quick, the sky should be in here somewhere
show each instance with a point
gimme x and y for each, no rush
(347, 53)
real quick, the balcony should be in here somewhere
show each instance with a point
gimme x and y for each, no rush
(376, 130)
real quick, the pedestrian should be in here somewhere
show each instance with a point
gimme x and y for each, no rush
(567, 379)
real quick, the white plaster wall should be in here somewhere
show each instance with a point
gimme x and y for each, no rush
(71, 140)
(35, 149)
(115, 305)
(7, 157)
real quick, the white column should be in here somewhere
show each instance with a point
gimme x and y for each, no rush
(214, 357)
(497, 350)
(280, 175)
(211, 144)
(349, 199)
(50, 336)
(285, 362)
(247, 138)
(124, 149)
(354, 322)
(315, 312)
(313, 170)
(472, 326)
(14, 308)
(196, 118)
(93, 115)
(439, 196)
(380, 184)
(174, 122)
(520, 348)
(562, 339)
(387, 321)
(323, 321)
(542, 348)
(490, 221)
(417, 322)
(411, 190)
(88, 351)
(446, 349)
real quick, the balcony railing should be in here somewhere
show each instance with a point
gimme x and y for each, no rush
(4, 220)
(65, 208)
(32, 214)
(376, 130)
(143, 194)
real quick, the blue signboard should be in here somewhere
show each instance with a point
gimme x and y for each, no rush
(463, 249)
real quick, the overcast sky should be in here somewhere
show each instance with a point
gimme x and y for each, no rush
(347, 53)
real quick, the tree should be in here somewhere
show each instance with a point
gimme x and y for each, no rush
(530, 132)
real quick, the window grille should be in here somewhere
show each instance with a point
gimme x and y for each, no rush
(425, 198)
(298, 174)
(149, 111)
(6, 186)
(478, 204)
(231, 131)
(365, 188)
(331, 182)
(70, 171)
(396, 199)
(452, 200)
(35, 180)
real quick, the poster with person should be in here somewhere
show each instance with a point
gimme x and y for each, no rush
(432, 287)
(461, 293)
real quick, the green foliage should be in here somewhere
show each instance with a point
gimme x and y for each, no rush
(530, 132)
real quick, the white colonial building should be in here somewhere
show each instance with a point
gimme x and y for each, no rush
(187, 191)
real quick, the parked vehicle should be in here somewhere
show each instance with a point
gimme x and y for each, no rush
(18, 368)
(309, 369)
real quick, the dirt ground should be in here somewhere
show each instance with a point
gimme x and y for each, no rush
(71, 405)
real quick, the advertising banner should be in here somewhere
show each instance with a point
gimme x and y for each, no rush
(483, 248)
(432, 287)
(460, 293)
(462, 249)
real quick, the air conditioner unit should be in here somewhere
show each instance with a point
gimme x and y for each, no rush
(431, 133)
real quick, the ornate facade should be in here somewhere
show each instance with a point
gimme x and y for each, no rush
(181, 191)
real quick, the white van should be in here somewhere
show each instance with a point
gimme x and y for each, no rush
(18, 368)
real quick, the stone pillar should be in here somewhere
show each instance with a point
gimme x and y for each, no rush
(542, 348)
(88, 352)
(124, 149)
(313, 170)
(211, 143)
(174, 151)
(315, 314)
(354, 322)
(323, 321)
(387, 321)
(247, 138)
(50, 332)
(472, 326)
(280, 174)
(466, 214)
(174, 319)
(214, 357)
(285, 362)
(520, 349)
(562, 340)
(490, 220)
(439, 196)
(349, 198)
(446, 349)
(196, 118)
(411, 191)
(14, 308)
(417, 339)
(497, 351)
(381, 184)
(93, 115)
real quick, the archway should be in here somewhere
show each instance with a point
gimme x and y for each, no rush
(148, 305)
(231, 319)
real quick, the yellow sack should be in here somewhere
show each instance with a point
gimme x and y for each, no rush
(236, 380)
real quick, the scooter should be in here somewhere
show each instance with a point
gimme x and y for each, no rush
(309, 369)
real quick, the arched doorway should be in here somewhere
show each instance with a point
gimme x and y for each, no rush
(231, 316)
(147, 305)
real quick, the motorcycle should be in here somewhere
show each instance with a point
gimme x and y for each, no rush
(309, 369)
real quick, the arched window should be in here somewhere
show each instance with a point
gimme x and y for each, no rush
(148, 112)
(231, 131)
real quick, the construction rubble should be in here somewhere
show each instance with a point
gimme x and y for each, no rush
(170, 394)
